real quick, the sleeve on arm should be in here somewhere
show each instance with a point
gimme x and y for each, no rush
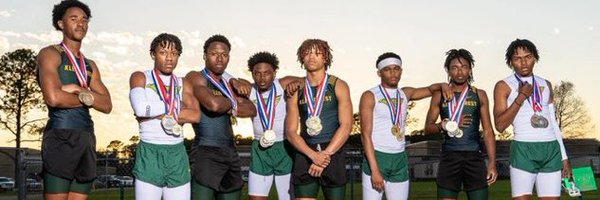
(142, 107)
(557, 131)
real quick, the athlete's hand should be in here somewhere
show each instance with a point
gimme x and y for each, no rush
(377, 180)
(315, 170)
(242, 86)
(525, 89)
(71, 88)
(447, 92)
(292, 87)
(566, 171)
(466, 120)
(492, 174)
(321, 159)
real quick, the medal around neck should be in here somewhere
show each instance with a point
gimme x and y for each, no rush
(538, 121)
(396, 131)
(314, 126)
(168, 124)
(86, 98)
(452, 129)
(268, 138)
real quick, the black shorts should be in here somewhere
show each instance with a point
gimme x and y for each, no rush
(462, 170)
(334, 175)
(218, 168)
(69, 154)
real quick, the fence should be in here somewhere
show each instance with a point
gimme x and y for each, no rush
(115, 178)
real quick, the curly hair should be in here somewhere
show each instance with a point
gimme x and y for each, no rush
(320, 45)
(164, 39)
(520, 43)
(61, 8)
(216, 38)
(263, 57)
(386, 55)
(457, 54)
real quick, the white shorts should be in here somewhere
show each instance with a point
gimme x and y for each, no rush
(547, 184)
(393, 190)
(147, 191)
(259, 185)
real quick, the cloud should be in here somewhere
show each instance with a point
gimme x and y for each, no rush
(10, 34)
(591, 28)
(47, 37)
(4, 45)
(238, 42)
(6, 13)
(556, 31)
(99, 55)
(120, 38)
(481, 42)
(120, 50)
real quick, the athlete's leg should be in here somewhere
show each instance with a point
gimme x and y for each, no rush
(479, 194)
(334, 193)
(521, 183)
(145, 191)
(176, 193)
(446, 194)
(259, 185)
(396, 190)
(235, 195)
(367, 188)
(200, 192)
(282, 183)
(307, 191)
(548, 185)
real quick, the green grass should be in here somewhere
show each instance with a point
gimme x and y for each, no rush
(418, 190)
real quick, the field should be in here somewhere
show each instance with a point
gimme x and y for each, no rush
(418, 190)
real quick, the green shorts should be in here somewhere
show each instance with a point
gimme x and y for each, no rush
(393, 166)
(276, 159)
(536, 157)
(162, 165)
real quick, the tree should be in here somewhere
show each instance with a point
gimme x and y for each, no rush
(20, 92)
(571, 113)
(115, 146)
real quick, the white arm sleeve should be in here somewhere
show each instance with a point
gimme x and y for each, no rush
(142, 107)
(557, 131)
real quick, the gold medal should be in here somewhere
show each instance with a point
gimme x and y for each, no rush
(538, 121)
(86, 98)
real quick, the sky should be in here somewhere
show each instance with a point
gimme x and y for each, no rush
(567, 34)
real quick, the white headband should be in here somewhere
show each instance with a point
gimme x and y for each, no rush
(387, 62)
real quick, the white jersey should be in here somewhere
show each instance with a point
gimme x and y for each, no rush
(522, 123)
(151, 131)
(280, 111)
(383, 139)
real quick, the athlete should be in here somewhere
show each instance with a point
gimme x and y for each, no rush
(71, 85)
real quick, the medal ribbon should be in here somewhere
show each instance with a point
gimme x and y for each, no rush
(455, 107)
(168, 97)
(266, 111)
(224, 87)
(315, 106)
(395, 110)
(537, 95)
(79, 68)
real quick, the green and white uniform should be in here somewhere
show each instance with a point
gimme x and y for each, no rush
(389, 151)
(161, 165)
(274, 162)
(536, 154)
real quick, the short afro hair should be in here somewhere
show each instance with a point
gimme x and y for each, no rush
(520, 43)
(165, 39)
(216, 38)
(457, 54)
(387, 55)
(263, 57)
(320, 45)
(61, 8)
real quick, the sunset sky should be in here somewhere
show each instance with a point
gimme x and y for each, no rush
(567, 33)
